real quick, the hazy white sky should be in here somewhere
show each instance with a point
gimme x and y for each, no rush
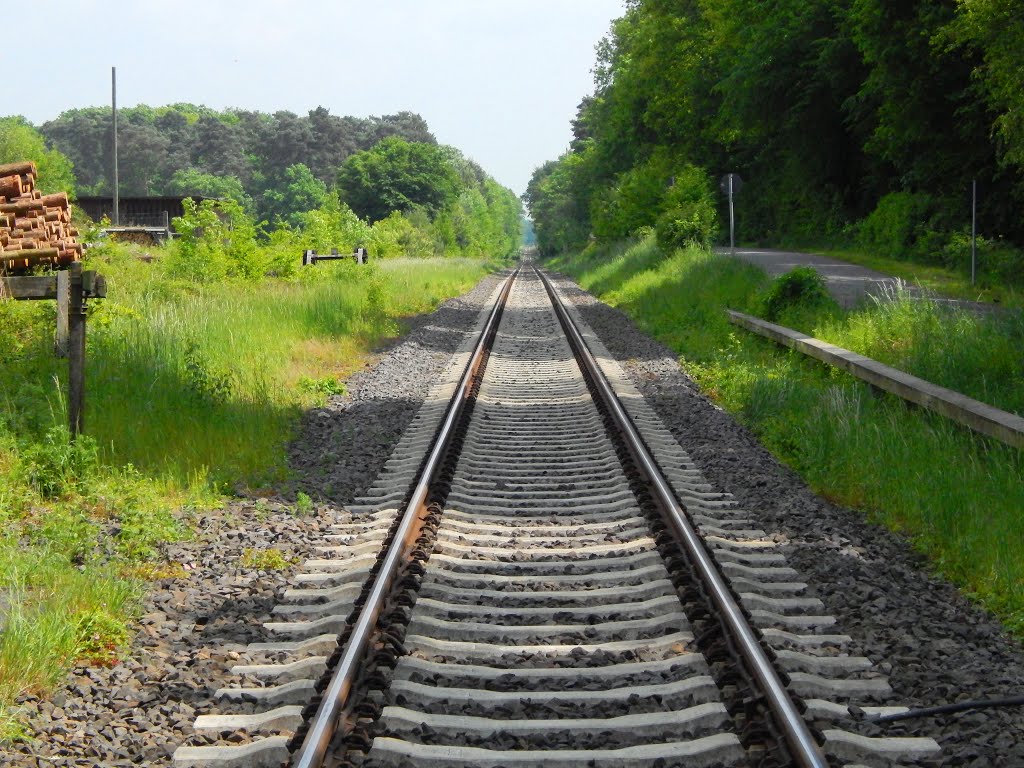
(499, 79)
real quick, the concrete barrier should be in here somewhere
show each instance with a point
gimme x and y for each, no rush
(1002, 425)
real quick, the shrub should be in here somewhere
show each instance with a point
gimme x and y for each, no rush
(332, 225)
(800, 288)
(633, 202)
(57, 465)
(217, 240)
(899, 225)
(688, 215)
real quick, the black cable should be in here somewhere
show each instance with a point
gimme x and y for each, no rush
(961, 706)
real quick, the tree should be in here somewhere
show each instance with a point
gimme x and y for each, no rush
(83, 136)
(20, 141)
(398, 175)
(995, 28)
(295, 194)
(194, 183)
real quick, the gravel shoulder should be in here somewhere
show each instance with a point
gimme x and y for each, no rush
(936, 646)
(194, 627)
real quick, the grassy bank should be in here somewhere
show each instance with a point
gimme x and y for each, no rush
(957, 496)
(954, 284)
(193, 390)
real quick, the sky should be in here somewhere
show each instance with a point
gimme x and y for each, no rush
(498, 79)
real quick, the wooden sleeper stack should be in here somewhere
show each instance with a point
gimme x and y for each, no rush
(35, 229)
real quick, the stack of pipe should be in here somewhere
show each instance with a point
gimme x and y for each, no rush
(35, 229)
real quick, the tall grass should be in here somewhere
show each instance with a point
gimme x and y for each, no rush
(191, 390)
(956, 495)
(195, 383)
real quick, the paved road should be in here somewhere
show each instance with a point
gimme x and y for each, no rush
(848, 283)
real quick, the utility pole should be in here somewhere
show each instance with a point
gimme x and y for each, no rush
(113, 102)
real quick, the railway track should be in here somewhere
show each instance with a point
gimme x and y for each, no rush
(558, 592)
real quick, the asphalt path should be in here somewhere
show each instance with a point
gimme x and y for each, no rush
(849, 284)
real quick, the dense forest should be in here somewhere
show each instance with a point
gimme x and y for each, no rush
(854, 119)
(317, 181)
(184, 148)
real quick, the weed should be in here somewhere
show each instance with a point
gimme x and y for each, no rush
(148, 571)
(326, 385)
(57, 465)
(266, 560)
(303, 504)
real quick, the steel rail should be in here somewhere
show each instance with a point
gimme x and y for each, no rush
(804, 749)
(335, 697)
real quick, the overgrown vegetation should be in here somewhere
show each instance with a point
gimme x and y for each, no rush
(207, 350)
(856, 123)
(198, 371)
(956, 495)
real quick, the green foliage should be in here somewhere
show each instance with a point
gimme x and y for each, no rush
(56, 466)
(896, 225)
(396, 235)
(56, 614)
(154, 144)
(689, 216)
(303, 504)
(560, 215)
(958, 496)
(332, 225)
(19, 141)
(398, 175)
(265, 560)
(633, 201)
(279, 169)
(192, 182)
(823, 109)
(217, 240)
(293, 197)
(799, 292)
(995, 29)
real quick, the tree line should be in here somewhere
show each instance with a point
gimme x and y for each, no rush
(191, 149)
(314, 179)
(861, 118)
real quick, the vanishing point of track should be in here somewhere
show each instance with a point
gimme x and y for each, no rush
(541, 576)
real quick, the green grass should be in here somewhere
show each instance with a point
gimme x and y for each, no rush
(956, 495)
(192, 390)
(207, 383)
(937, 279)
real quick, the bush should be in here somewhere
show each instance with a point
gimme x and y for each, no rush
(57, 465)
(902, 225)
(633, 202)
(217, 240)
(332, 225)
(688, 212)
(802, 288)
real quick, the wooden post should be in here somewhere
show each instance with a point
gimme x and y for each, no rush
(63, 310)
(76, 352)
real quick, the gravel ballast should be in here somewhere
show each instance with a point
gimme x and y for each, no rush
(195, 627)
(934, 645)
